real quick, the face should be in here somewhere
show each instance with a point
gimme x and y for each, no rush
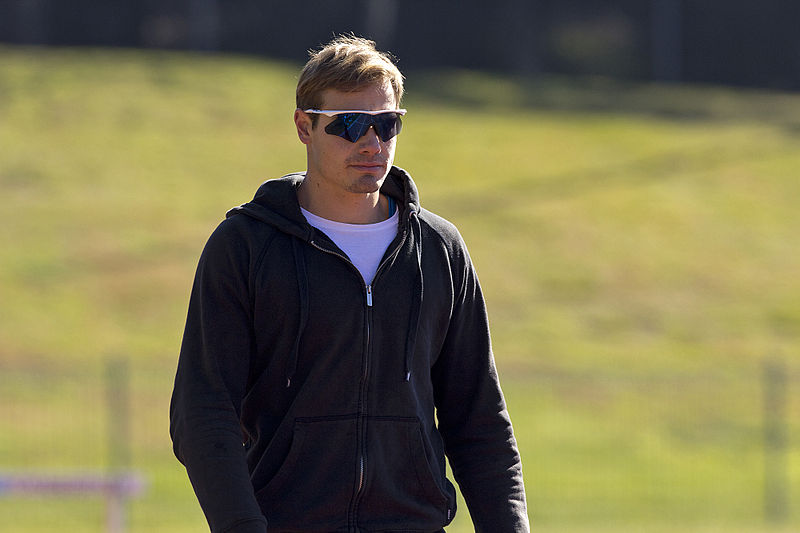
(336, 165)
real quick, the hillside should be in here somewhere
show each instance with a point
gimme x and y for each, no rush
(623, 234)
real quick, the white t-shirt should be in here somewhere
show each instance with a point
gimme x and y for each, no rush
(364, 244)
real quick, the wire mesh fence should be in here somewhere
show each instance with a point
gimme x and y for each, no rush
(715, 449)
(617, 449)
(64, 443)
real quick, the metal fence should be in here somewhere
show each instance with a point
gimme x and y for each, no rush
(617, 448)
(65, 434)
(698, 449)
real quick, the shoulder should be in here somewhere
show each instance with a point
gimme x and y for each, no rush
(235, 232)
(444, 230)
(237, 240)
(444, 235)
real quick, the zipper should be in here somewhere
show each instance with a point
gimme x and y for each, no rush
(362, 459)
(360, 474)
(362, 429)
(334, 252)
(368, 288)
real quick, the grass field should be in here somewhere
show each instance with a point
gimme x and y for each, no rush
(637, 244)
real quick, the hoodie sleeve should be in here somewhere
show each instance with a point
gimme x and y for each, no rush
(209, 385)
(472, 415)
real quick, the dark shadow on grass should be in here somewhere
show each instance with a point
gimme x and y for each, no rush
(481, 90)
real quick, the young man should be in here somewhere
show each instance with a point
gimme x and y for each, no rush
(337, 344)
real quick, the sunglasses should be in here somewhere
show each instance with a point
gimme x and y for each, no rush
(354, 124)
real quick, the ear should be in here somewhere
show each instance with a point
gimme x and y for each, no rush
(303, 123)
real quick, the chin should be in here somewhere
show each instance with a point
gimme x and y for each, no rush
(367, 183)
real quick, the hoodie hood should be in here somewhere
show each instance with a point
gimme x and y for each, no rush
(276, 203)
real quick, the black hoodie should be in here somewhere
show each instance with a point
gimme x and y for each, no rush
(306, 400)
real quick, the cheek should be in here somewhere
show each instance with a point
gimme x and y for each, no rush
(390, 146)
(332, 149)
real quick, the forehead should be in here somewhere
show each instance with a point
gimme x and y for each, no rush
(371, 98)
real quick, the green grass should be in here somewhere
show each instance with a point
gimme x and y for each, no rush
(637, 245)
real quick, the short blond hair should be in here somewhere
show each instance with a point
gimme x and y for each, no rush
(347, 63)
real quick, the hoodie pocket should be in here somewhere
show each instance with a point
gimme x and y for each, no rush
(313, 487)
(404, 486)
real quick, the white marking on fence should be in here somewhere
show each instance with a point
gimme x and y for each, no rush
(114, 487)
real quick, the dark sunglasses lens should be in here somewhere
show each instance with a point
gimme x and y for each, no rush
(337, 127)
(352, 126)
(387, 125)
(356, 125)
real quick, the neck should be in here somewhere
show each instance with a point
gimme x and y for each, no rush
(350, 208)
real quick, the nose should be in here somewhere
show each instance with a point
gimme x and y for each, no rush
(369, 143)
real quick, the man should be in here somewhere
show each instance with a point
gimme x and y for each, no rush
(337, 345)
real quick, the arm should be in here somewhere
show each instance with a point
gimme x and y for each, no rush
(473, 419)
(209, 385)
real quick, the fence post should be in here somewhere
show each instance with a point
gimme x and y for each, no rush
(119, 437)
(775, 441)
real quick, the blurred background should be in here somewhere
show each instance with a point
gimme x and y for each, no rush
(625, 174)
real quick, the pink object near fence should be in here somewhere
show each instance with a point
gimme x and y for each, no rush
(116, 488)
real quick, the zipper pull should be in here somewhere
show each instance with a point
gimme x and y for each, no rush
(369, 295)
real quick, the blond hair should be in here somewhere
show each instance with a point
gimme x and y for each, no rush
(347, 63)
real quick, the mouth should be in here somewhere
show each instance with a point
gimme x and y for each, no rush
(368, 166)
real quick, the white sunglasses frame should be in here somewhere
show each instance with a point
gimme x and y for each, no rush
(331, 113)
